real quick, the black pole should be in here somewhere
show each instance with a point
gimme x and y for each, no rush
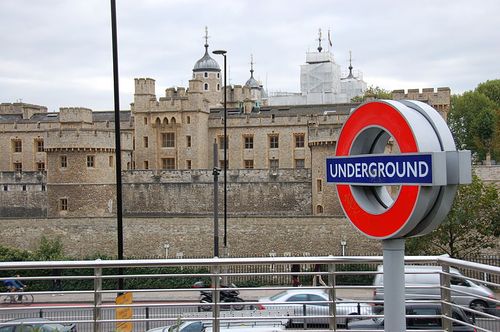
(118, 158)
(225, 158)
(216, 201)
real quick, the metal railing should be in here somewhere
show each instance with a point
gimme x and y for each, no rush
(162, 293)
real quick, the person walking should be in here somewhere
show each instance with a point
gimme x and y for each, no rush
(295, 277)
(317, 280)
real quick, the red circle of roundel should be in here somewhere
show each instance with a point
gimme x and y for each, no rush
(377, 114)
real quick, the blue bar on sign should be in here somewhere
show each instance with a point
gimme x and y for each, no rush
(380, 169)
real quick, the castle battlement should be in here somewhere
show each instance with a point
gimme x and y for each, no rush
(144, 86)
(75, 114)
(85, 139)
(418, 94)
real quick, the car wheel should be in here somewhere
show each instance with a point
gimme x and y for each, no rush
(478, 305)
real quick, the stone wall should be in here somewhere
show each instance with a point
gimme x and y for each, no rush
(193, 237)
(249, 192)
(23, 195)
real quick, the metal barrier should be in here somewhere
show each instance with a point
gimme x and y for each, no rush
(93, 307)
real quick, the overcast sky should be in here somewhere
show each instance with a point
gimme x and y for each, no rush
(57, 53)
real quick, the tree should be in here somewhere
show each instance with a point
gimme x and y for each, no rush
(473, 224)
(490, 89)
(474, 123)
(373, 93)
(49, 250)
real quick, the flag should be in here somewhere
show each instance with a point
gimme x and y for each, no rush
(329, 39)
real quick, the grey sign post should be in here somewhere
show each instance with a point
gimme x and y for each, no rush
(426, 166)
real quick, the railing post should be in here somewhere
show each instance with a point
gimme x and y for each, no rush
(331, 296)
(445, 297)
(215, 298)
(97, 298)
(304, 313)
(147, 318)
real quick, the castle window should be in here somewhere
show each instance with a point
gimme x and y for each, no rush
(168, 140)
(40, 166)
(248, 142)
(218, 75)
(188, 119)
(188, 164)
(17, 145)
(188, 141)
(90, 161)
(43, 187)
(218, 87)
(63, 204)
(5, 187)
(205, 74)
(319, 209)
(223, 143)
(319, 185)
(64, 161)
(145, 120)
(168, 163)
(39, 145)
(274, 163)
(299, 163)
(18, 167)
(145, 140)
(146, 164)
(24, 187)
(248, 164)
(273, 141)
(299, 140)
(110, 161)
(173, 121)
(205, 86)
(221, 164)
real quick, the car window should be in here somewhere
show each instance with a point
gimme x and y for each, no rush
(423, 322)
(6, 329)
(194, 327)
(297, 298)
(314, 297)
(24, 328)
(459, 282)
(276, 296)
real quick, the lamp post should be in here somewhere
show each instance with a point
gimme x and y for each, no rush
(223, 53)
(343, 244)
(167, 247)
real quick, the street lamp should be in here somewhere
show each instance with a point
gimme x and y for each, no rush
(167, 247)
(343, 244)
(223, 53)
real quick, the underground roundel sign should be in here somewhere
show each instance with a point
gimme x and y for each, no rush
(407, 192)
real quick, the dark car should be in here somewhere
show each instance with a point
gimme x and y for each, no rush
(416, 323)
(36, 325)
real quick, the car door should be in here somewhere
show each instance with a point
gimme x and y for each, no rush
(423, 323)
(317, 309)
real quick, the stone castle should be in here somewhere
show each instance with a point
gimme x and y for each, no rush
(62, 165)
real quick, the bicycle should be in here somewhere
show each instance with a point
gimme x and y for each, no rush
(17, 298)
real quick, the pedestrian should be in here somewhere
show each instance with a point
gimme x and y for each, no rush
(56, 282)
(317, 280)
(295, 277)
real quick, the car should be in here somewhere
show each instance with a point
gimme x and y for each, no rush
(423, 282)
(35, 325)
(303, 296)
(199, 326)
(416, 323)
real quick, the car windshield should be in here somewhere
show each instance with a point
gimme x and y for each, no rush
(277, 296)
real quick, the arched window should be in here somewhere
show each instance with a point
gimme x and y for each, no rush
(165, 121)
(205, 86)
(218, 75)
(158, 121)
(218, 87)
(205, 74)
(319, 209)
(173, 121)
(188, 119)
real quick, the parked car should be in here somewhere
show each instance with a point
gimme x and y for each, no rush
(416, 323)
(35, 325)
(427, 278)
(199, 326)
(319, 308)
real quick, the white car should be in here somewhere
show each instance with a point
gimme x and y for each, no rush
(198, 326)
(299, 301)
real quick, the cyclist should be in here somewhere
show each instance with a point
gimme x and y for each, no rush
(14, 285)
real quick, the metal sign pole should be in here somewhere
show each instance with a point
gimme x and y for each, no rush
(394, 285)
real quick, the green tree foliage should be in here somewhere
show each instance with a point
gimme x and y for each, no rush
(49, 250)
(474, 120)
(373, 93)
(473, 224)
